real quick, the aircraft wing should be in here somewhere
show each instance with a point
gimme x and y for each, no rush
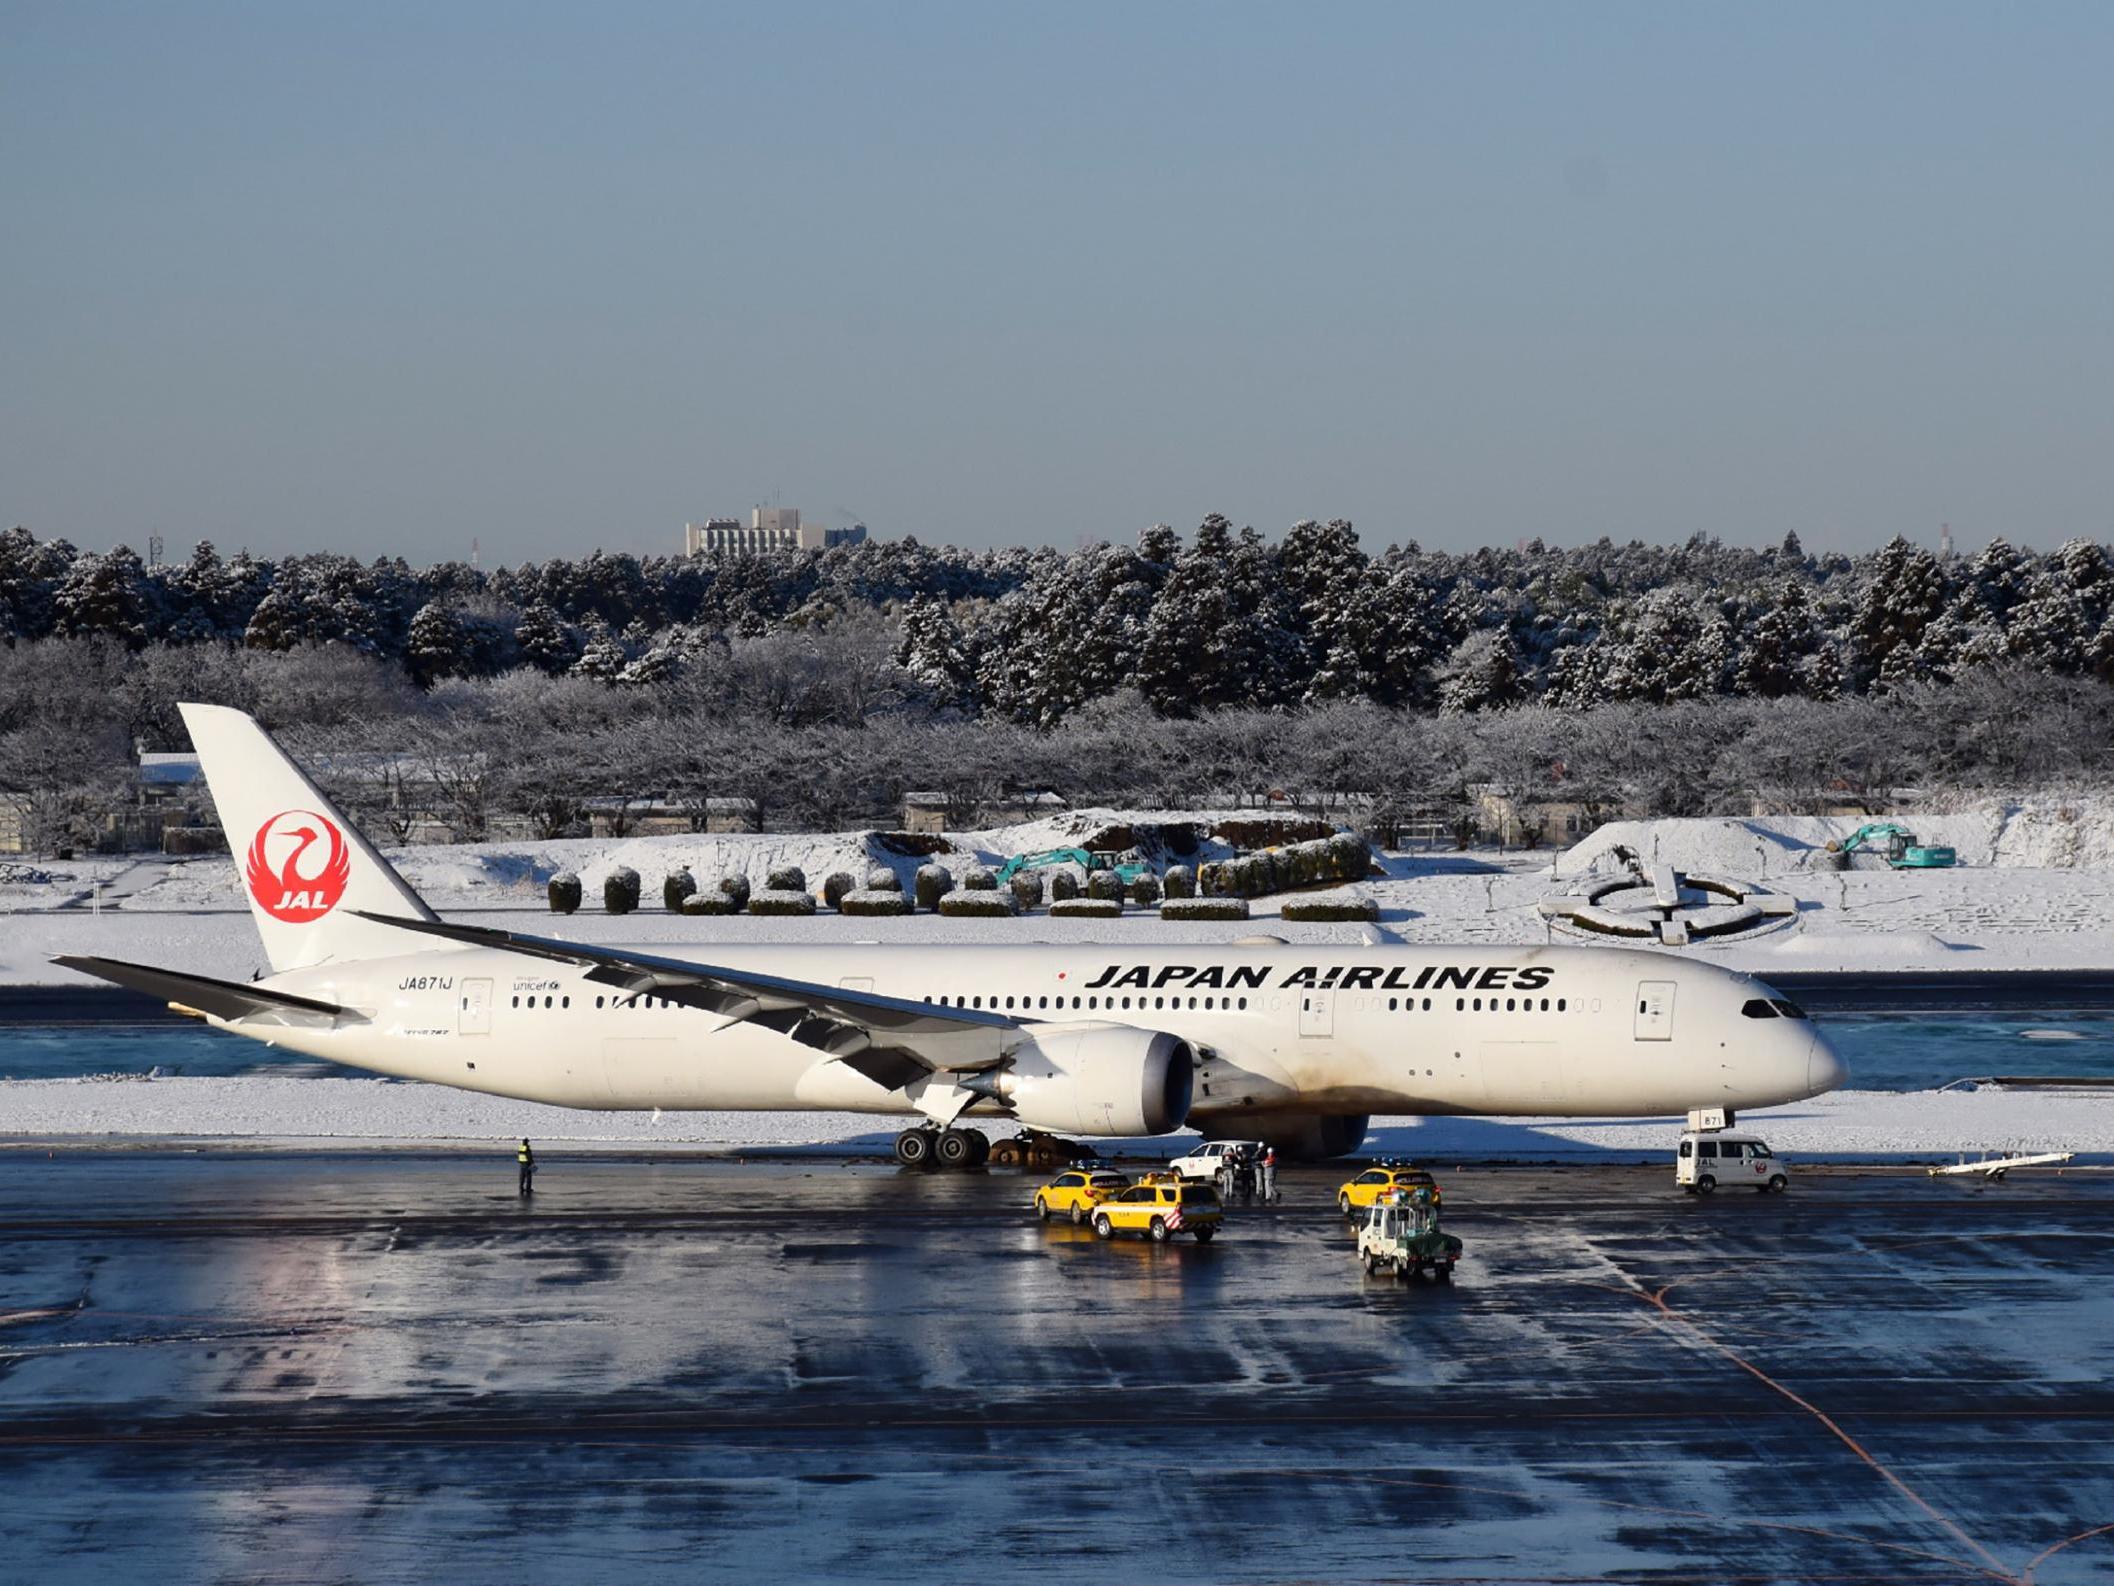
(223, 999)
(892, 1041)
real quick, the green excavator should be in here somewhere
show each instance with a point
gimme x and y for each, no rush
(1897, 845)
(1127, 871)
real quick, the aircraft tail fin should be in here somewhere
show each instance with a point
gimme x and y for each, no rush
(304, 867)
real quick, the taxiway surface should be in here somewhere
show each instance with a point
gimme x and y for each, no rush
(292, 1368)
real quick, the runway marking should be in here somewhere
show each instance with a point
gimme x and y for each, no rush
(1656, 1298)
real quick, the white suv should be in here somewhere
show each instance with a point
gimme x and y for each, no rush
(1207, 1161)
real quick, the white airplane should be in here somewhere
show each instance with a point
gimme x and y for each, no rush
(1296, 1045)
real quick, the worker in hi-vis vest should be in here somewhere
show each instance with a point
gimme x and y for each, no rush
(527, 1159)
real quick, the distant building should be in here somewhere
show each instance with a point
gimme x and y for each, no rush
(768, 529)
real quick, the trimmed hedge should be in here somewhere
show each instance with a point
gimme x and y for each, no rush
(1331, 906)
(1343, 857)
(979, 880)
(620, 890)
(837, 888)
(781, 900)
(1064, 883)
(1180, 881)
(1106, 885)
(872, 900)
(1027, 889)
(679, 885)
(882, 879)
(1204, 909)
(564, 892)
(976, 906)
(1145, 891)
(932, 883)
(1086, 908)
(787, 878)
(735, 889)
(708, 903)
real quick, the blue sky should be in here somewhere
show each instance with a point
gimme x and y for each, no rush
(383, 277)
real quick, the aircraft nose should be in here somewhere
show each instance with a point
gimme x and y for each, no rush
(1825, 1069)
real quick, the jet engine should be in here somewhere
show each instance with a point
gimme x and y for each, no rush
(1106, 1079)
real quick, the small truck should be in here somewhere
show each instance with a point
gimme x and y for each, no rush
(1401, 1235)
(1708, 1158)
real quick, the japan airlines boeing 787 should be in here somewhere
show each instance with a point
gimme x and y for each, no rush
(1293, 1044)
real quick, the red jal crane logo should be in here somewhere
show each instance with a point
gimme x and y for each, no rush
(291, 877)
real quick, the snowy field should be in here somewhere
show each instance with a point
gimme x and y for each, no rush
(2035, 888)
(1849, 1126)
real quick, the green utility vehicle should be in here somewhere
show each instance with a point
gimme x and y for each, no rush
(1401, 1235)
(1897, 845)
(1126, 870)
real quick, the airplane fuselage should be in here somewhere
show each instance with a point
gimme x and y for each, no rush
(1277, 1028)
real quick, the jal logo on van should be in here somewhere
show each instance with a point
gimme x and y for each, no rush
(298, 866)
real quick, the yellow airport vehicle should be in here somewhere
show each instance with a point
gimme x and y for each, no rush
(1160, 1211)
(1369, 1186)
(1075, 1192)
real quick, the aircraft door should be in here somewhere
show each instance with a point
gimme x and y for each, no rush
(1317, 1013)
(1655, 1010)
(473, 1009)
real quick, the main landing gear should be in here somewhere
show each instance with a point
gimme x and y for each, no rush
(926, 1146)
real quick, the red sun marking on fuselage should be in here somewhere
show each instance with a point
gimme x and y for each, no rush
(289, 877)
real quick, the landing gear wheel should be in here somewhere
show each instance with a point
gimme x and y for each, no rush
(1103, 1227)
(914, 1147)
(954, 1148)
(1705, 1184)
(1005, 1153)
(1778, 1183)
(1158, 1230)
(1078, 1215)
(982, 1144)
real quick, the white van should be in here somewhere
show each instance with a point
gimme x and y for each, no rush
(1710, 1157)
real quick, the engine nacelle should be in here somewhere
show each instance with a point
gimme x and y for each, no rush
(1105, 1079)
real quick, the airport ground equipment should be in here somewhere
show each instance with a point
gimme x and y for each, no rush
(1401, 1235)
(1708, 1158)
(1996, 1167)
(1209, 1160)
(1160, 1211)
(1125, 870)
(1075, 1193)
(1373, 1185)
(1897, 845)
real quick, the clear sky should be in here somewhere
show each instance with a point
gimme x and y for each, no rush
(380, 277)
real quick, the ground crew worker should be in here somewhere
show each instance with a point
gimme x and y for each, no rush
(1269, 1174)
(527, 1159)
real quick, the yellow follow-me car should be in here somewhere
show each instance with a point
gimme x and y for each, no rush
(1075, 1192)
(1160, 1211)
(1367, 1188)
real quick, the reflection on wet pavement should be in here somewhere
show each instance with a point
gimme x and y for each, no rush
(309, 1368)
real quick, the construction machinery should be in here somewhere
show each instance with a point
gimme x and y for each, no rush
(1897, 845)
(1125, 870)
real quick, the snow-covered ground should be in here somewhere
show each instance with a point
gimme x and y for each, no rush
(2035, 889)
(380, 1114)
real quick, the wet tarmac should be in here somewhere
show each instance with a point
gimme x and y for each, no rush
(267, 1368)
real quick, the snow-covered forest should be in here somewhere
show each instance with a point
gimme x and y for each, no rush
(823, 685)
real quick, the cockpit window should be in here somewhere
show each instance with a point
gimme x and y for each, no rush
(1789, 1010)
(1759, 1008)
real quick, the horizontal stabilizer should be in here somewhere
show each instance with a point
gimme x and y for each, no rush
(223, 999)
